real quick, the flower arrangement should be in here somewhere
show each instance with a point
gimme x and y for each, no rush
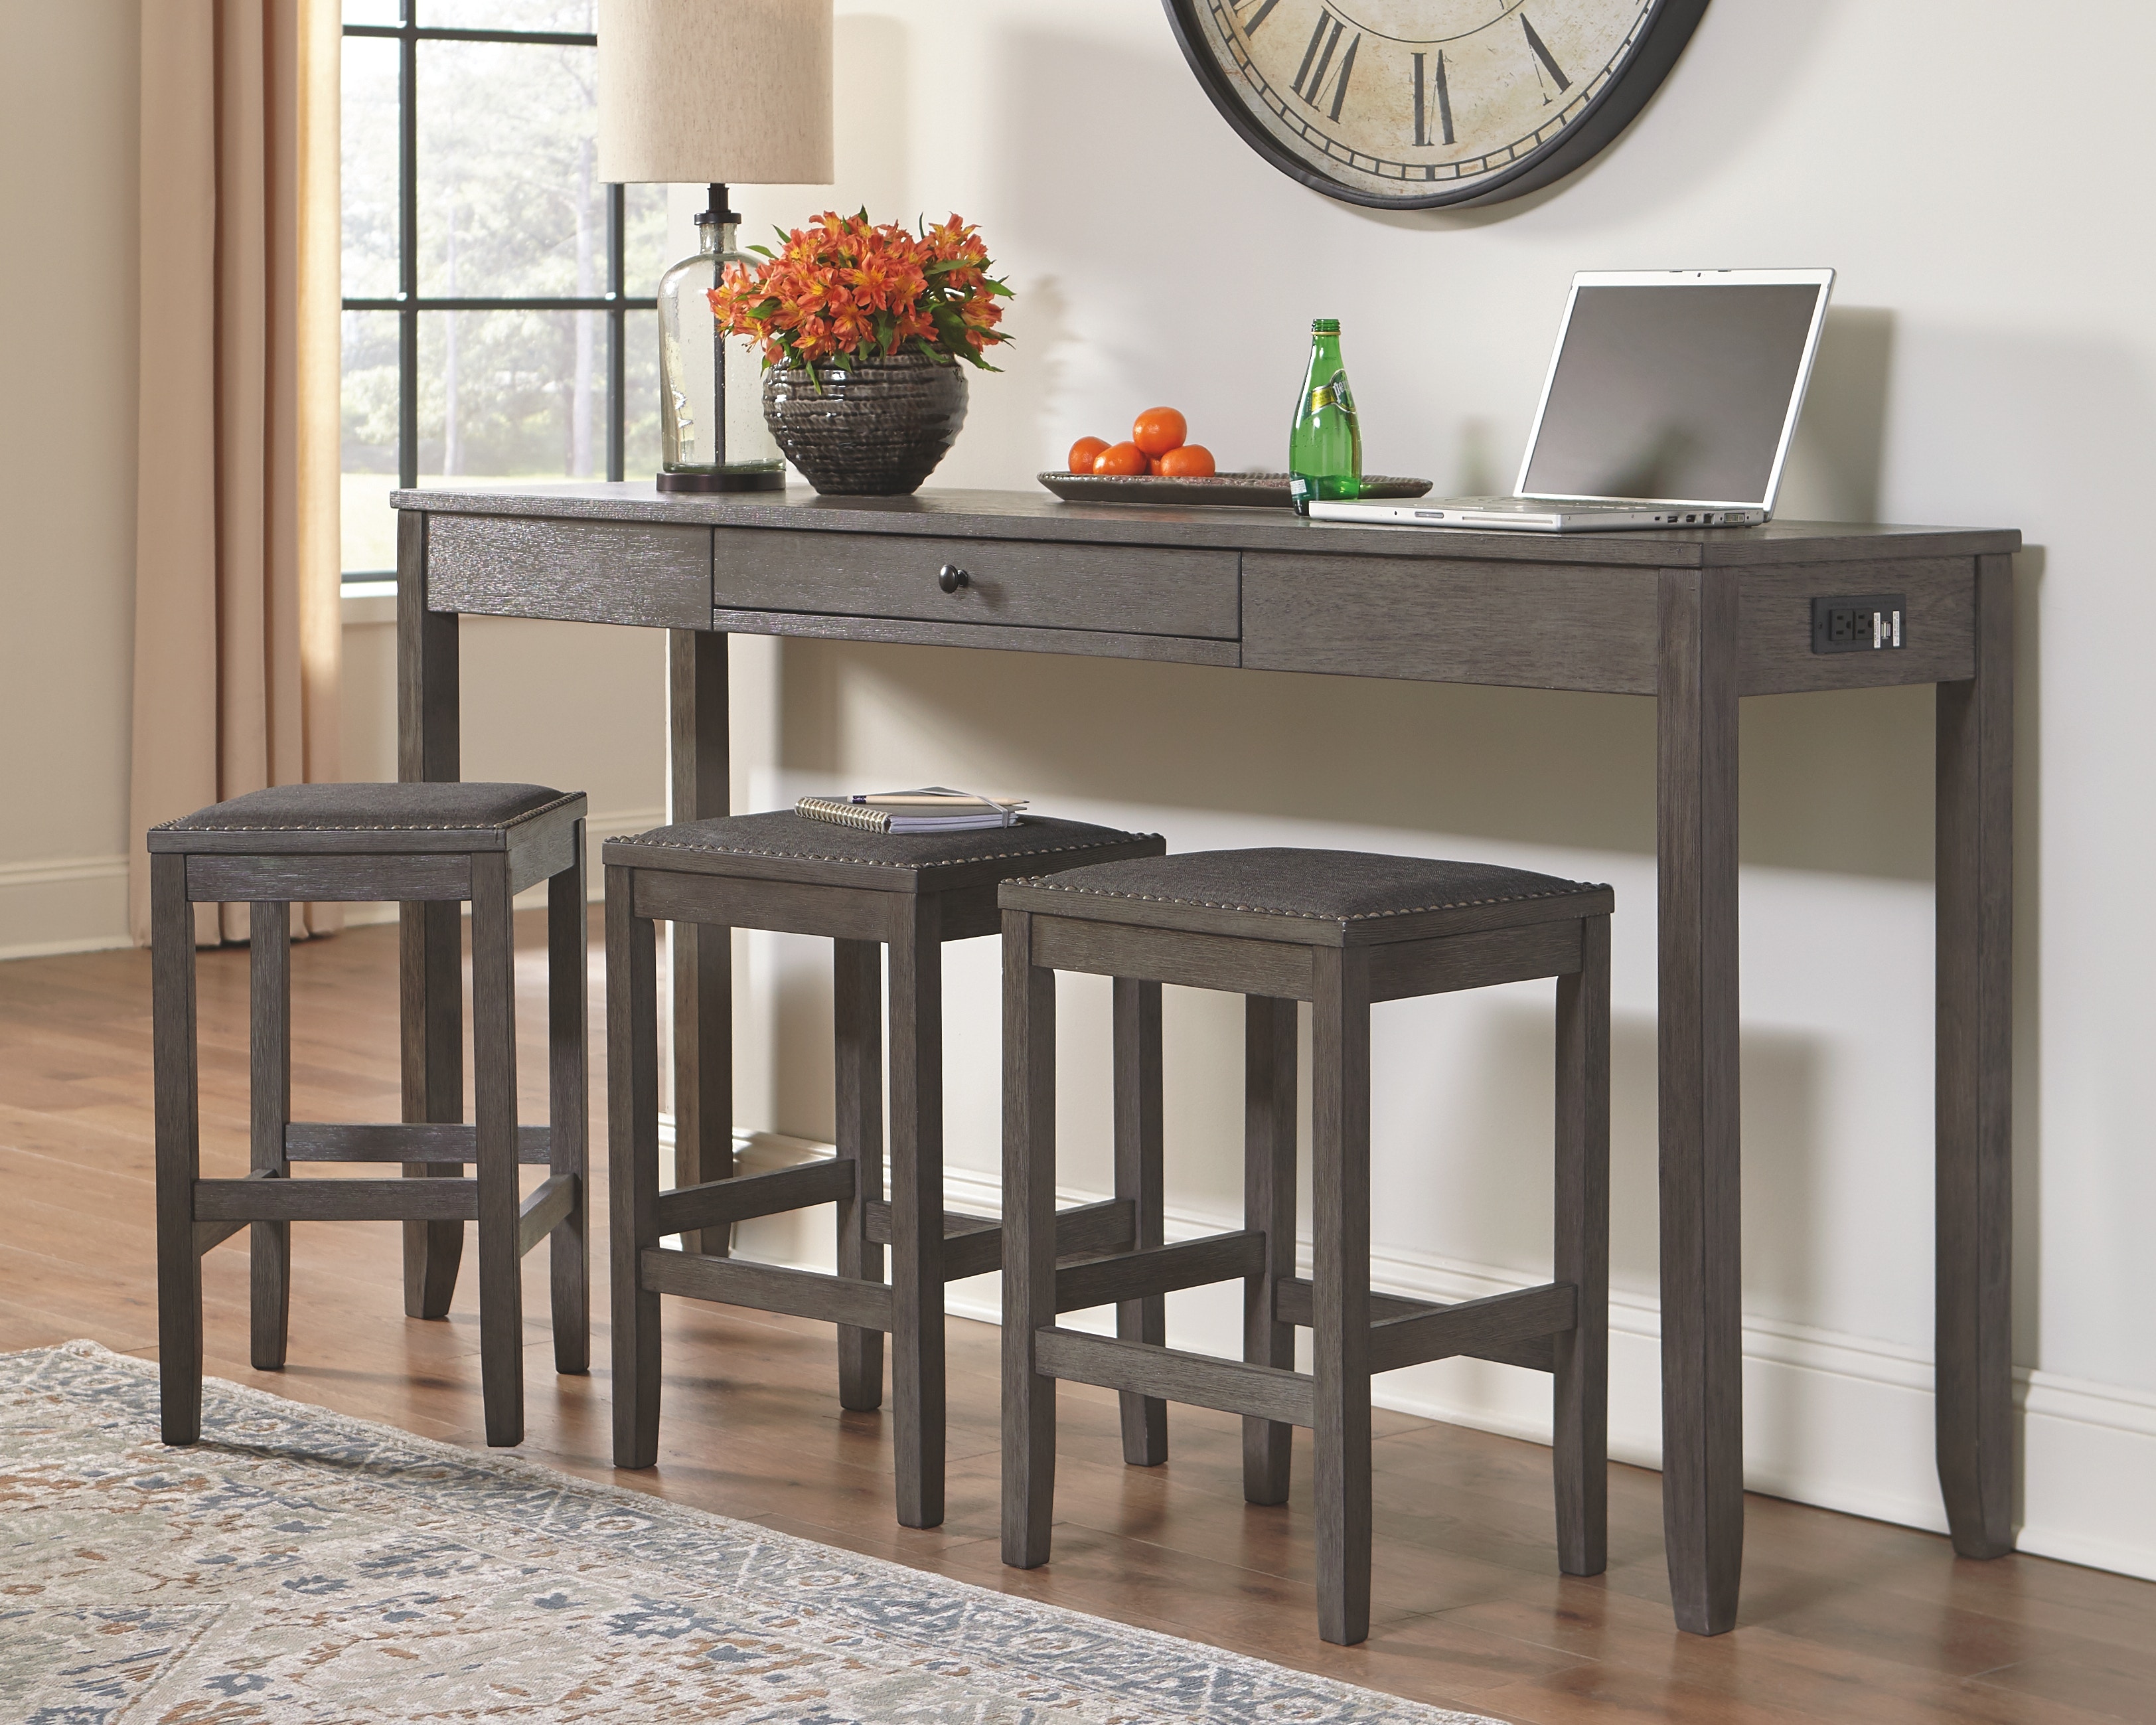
(843, 288)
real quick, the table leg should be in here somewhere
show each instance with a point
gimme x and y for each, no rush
(700, 789)
(431, 937)
(1973, 1357)
(1702, 1332)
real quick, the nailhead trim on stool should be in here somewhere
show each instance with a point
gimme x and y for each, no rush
(1340, 929)
(865, 892)
(426, 844)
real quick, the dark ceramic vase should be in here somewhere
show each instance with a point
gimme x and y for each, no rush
(877, 428)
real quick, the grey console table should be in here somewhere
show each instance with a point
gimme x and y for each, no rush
(1696, 620)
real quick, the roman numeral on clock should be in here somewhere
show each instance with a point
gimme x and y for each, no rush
(1249, 25)
(1437, 90)
(1543, 54)
(1317, 64)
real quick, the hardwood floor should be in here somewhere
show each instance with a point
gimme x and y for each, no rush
(1844, 1620)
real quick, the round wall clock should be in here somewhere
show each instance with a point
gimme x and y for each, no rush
(1413, 104)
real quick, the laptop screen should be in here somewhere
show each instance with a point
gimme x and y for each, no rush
(1675, 390)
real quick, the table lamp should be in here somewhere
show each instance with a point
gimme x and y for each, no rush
(713, 92)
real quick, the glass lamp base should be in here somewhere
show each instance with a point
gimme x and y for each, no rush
(719, 479)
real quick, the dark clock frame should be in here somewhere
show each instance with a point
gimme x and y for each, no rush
(1668, 27)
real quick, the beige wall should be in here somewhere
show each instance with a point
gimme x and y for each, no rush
(67, 469)
(1989, 360)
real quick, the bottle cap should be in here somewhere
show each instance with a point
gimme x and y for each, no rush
(1325, 326)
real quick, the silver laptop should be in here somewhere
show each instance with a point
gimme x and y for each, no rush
(1670, 402)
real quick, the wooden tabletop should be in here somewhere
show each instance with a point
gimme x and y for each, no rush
(1039, 516)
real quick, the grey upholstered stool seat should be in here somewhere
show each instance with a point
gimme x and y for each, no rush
(861, 890)
(418, 845)
(368, 806)
(1341, 930)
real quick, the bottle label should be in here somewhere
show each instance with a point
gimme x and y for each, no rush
(1298, 486)
(1321, 397)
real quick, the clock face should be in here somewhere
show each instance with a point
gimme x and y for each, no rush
(1414, 103)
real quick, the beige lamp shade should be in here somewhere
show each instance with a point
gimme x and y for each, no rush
(698, 91)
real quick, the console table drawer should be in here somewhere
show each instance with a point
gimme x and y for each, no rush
(658, 575)
(1542, 625)
(1026, 584)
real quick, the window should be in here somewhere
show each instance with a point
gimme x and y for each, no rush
(497, 310)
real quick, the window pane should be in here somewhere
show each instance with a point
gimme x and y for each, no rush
(371, 12)
(512, 395)
(640, 379)
(368, 119)
(645, 252)
(510, 201)
(369, 439)
(573, 15)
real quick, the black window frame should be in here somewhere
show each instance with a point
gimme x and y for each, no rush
(408, 302)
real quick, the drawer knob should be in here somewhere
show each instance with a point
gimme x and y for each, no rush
(951, 578)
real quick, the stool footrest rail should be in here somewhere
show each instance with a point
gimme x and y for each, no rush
(1258, 1392)
(1512, 1329)
(409, 1141)
(974, 1245)
(277, 1200)
(545, 1210)
(1159, 1270)
(766, 1287)
(716, 1203)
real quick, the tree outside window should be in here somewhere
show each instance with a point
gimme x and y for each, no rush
(497, 319)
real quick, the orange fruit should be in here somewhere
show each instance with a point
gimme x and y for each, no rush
(1189, 460)
(1125, 458)
(1158, 430)
(1083, 452)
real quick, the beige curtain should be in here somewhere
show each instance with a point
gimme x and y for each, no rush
(237, 632)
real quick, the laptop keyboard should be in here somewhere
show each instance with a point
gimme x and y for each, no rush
(1545, 505)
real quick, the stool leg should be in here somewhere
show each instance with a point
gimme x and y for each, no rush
(632, 999)
(1340, 1343)
(179, 1161)
(269, 1108)
(494, 1115)
(1269, 1062)
(1580, 1454)
(568, 1112)
(857, 1047)
(917, 1212)
(431, 938)
(1138, 1178)
(1029, 1399)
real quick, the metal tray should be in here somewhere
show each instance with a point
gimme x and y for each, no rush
(1243, 491)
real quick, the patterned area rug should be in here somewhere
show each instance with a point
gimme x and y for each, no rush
(298, 1565)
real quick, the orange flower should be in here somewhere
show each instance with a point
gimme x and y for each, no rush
(843, 287)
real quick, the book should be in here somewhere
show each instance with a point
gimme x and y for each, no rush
(932, 809)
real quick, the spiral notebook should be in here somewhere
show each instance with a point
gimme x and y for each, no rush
(932, 809)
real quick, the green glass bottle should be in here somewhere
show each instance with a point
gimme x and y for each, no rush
(1325, 445)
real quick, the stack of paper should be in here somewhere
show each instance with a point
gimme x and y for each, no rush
(933, 809)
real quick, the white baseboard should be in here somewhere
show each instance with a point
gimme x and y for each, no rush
(1839, 1421)
(63, 904)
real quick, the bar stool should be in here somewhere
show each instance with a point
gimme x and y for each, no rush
(407, 843)
(859, 889)
(1340, 929)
